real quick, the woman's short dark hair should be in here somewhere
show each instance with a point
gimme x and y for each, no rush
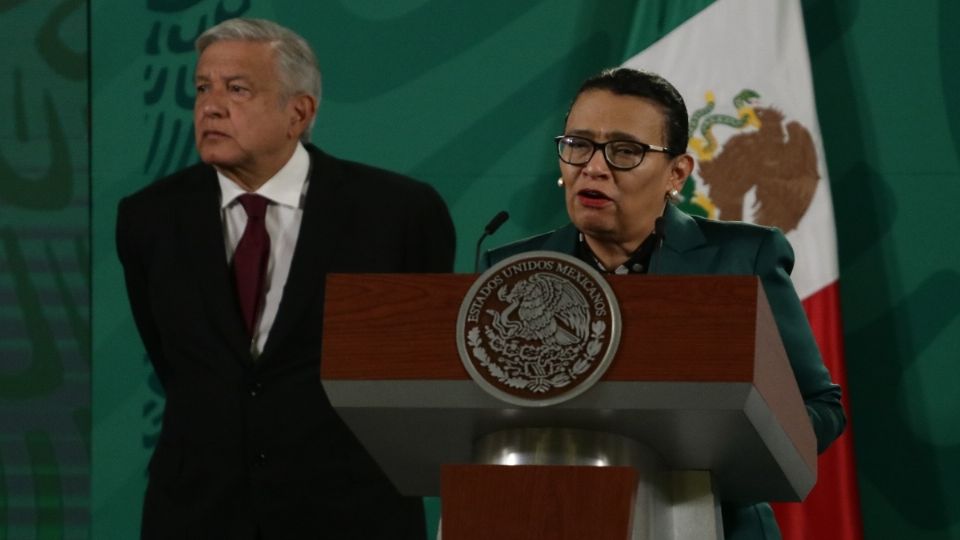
(643, 84)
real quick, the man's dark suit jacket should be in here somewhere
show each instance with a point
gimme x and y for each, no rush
(692, 245)
(254, 448)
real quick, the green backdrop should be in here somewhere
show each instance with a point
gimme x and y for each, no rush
(464, 95)
(44, 270)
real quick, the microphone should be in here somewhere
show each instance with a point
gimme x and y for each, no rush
(495, 223)
(658, 230)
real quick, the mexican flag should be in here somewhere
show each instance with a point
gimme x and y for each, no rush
(743, 68)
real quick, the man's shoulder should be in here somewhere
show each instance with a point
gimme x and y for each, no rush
(155, 206)
(364, 176)
(182, 183)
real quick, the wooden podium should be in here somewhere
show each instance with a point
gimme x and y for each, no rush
(698, 405)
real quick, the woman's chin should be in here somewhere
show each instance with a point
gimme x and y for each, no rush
(599, 229)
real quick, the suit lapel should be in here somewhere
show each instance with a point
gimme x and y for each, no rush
(684, 250)
(314, 247)
(201, 231)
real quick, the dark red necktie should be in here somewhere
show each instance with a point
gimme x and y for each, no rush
(250, 259)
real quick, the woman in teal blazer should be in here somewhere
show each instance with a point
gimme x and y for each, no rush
(622, 160)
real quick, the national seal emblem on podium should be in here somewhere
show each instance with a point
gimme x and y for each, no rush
(538, 328)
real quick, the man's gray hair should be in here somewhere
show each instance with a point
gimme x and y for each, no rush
(295, 62)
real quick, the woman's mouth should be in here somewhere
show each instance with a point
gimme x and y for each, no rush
(592, 198)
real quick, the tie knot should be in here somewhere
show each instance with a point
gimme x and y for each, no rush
(254, 205)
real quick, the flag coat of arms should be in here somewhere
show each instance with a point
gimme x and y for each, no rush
(743, 69)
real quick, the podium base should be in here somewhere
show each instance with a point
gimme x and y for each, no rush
(569, 485)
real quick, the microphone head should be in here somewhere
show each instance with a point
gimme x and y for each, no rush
(496, 222)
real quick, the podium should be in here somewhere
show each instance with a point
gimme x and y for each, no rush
(699, 404)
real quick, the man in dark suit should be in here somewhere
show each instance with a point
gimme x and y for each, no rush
(224, 264)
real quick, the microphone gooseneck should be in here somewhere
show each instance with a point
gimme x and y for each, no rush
(658, 229)
(494, 224)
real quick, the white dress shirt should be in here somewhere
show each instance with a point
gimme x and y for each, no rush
(286, 192)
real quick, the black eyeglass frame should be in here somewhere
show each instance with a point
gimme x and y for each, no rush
(603, 146)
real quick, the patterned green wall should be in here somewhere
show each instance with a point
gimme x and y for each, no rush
(887, 89)
(44, 270)
(465, 96)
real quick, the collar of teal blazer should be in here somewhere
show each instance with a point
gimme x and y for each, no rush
(685, 249)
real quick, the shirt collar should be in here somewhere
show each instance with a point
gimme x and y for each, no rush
(637, 263)
(284, 188)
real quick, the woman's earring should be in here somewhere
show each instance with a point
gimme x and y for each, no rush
(560, 182)
(673, 195)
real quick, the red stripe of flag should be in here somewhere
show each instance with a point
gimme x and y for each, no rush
(832, 510)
